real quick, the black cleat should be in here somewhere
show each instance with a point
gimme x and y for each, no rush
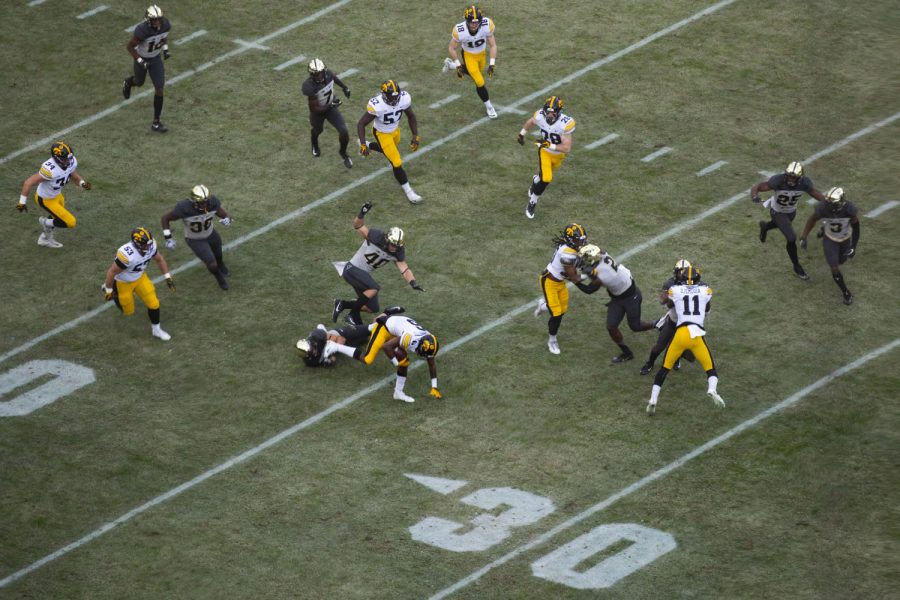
(394, 310)
(158, 127)
(338, 308)
(126, 88)
(645, 370)
(223, 284)
(848, 298)
(224, 270)
(763, 231)
(529, 209)
(354, 319)
(624, 357)
(347, 162)
(677, 366)
(799, 272)
(315, 149)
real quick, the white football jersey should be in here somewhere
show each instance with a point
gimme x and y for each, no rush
(404, 328)
(387, 117)
(473, 44)
(690, 303)
(55, 177)
(132, 262)
(564, 125)
(615, 277)
(562, 257)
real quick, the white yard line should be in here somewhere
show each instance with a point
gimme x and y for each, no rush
(672, 466)
(108, 111)
(36, 2)
(883, 208)
(654, 155)
(444, 101)
(250, 45)
(348, 73)
(510, 109)
(288, 63)
(602, 141)
(713, 167)
(92, 12)
(130, 28)
(375, 386)
(188, 38)
(767, 174)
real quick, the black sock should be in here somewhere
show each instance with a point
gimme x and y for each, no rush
(157, 107)
(344, 139)
(625, 349)
(400, 176)
(653, 357)
(792, 252)
(538, 188)
(839, 279)
(482, 93)
(154, 315)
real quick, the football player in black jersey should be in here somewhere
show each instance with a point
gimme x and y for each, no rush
(316, 350)
(841, 234)
(787, 188)
(148, 47)
(323, 106)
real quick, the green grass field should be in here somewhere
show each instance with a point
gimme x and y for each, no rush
(554, 458)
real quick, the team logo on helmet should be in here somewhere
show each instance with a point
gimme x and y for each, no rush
(316, 70)
(425, 346)
(553, 109)
(200, 197)
(390, 92)
(153, 12)
(574, 236)
(395, 236)
(62, 154)
(473, 17)
(142, 239)
(590, 254)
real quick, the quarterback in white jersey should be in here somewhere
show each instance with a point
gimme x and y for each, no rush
(472, 36)
(397, 337)
(385, 112)
(556, 142)
(50, 179)
(690, 297)
(625, 296)
(127, 276)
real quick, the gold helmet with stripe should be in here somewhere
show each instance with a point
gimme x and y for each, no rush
(473, 17)
(153, 12)
(316, 70)
(552, 108)
(62, 154)
(141, 238)
(590, 254)
(200, 197)
(793, 172)
(395, 236)
(390, 92)
(835, 198)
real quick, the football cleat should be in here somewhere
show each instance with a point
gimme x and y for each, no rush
(316, 68)
(677, 366)
(763, 231)
(159, 333)
(354, 319)
(347, 162)
(400, 395)
(541, 307)
(553, 109)
(848, 297)
(62, 154)
(473, 17)
(413, 197)
(717, 399)
(158, 127)
(394, 310)
(553, 346)
(624, 357)
(799, 272)
(651, 408)
(338, 308)
(47, 241)
(395, 236)
(793, 172)
(126, 88)
(153, 13)
(315, 148)
(574, 236)
(529, 208)
(46, 225)
(491, 111)
(646, 368)
(448, 64)
(141, 239)
(390, 92)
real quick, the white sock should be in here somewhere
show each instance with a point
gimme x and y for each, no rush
(535, 179)
(534, 197)
(345, 350)
(552, 338)
(406, 187)
(399, 384)
(654, 393)
(488, 104)
(712, 383)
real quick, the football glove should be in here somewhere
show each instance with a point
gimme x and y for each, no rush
(22, 205)
(460, 71)
(435, 393)
(850, 253)
(226, 221)
(107, 292)
(85, 184)
(335, 102)
(756, 199)
(166, 54)
(364, 209)
(347, 92)
(543, 144)
(490, 71)
(414, 144)
(521, 139)
(416, 286)
(171, 283)
(143, 62)
(170, 243)
(364, 149)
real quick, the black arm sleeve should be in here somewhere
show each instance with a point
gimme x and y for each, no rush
(588, 288)
(855, 233)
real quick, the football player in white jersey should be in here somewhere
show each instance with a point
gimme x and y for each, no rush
(148, 46)
(690, 298)
(556, 142)
(397, 337)
(624, 295)
(197, 213)
(841, 222)
(385, 112)
(127, 276)
(378, 248)
(472, 36)
(562, 268)
(50, 179)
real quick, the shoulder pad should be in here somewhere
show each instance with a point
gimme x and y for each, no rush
(489, 23)
(45, 172)
(570, 126)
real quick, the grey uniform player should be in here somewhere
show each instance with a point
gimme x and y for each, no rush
(323, 106)
(787, 189)
(624, 295)
(377, 249)
(148, 46)
(197, 214)
(839, 217)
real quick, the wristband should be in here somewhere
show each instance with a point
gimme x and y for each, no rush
(552, 147)
(522, 132)
(83, 183)
(167, 233)
(395, 362)
(434, 382)
(166, 47)
(167, 275)
(493, 62)
(456, 63)
(140, 60)
(23, 199)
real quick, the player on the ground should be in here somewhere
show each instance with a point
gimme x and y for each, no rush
(323, 106)
(563, 267)
(398, 337)
(556, 142)
(197, 214)
(787, 189)
(472, 37)
(50, 179)
(690, 297)
(127, 276)
(841, 234)
(317, 349)
(378, 248)
(148, 47)
(385, 111)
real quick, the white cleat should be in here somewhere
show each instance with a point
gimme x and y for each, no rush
(399, 395)
(491, 112)
(46, 225)
(159, 333)
(48, 241)
(448, 64)
(413, 197)
(541, 307)
(553, 346)
(529, 209)
(717, 399)
(651, 408)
